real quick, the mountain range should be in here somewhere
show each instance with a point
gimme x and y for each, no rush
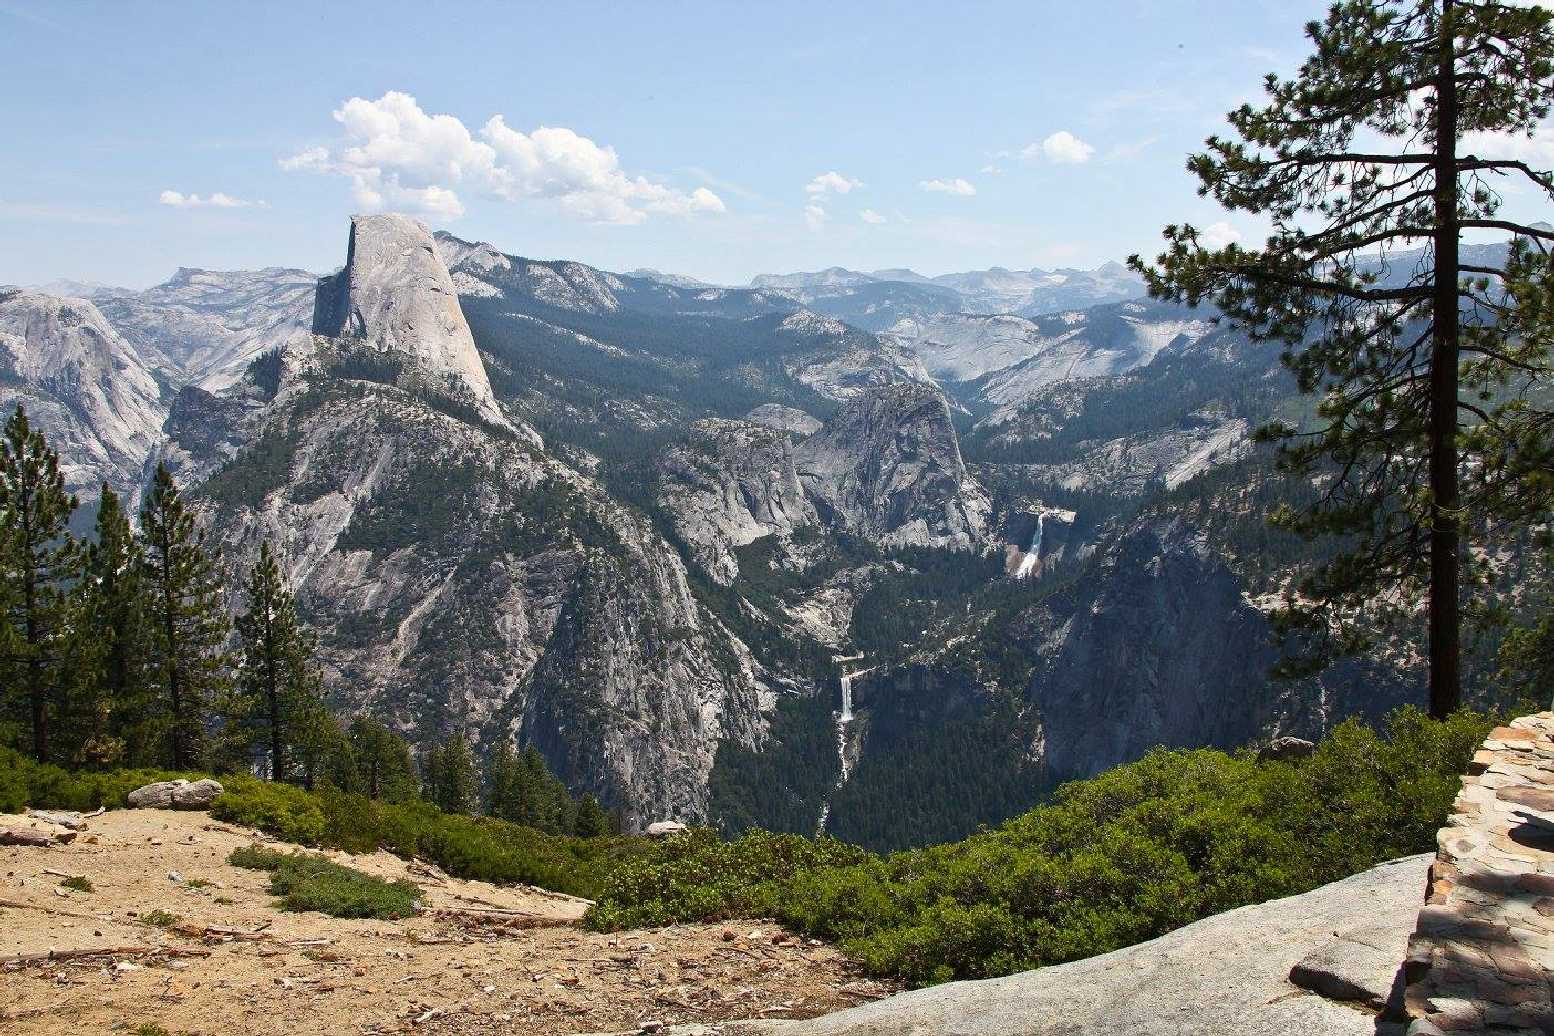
(654, 527)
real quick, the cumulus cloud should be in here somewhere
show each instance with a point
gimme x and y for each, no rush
(831, 183)
(821, 187)
(870, 216)
(218, 200)
(397, 156)
(965, 188)
(1061, 148)
(1218, 235)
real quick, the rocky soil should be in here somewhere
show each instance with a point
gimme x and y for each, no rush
(478, 958)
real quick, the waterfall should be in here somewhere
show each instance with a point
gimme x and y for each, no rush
(1032, 556)
(843, 718)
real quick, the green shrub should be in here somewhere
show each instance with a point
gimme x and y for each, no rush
(697, 875)
(78, 883)
(1107, 862)
(283, 810)
(159, 918)
(307, 881)
(25, 783)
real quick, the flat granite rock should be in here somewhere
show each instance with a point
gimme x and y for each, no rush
(1227, 975)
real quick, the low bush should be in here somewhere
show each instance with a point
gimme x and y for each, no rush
(283, 810)
(25, 783)
(698, 876)
(307, 881)
(479, 848)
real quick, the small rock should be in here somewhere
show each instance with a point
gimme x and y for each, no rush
(666, 828)
(1286, 749)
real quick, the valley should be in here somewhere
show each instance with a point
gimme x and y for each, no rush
(630, 520)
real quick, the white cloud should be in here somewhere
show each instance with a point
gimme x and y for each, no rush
(1218, 235)
(218, 200)
(832, 183)
(1536, 150)
(399, 157)
(870, 216)
(965, 188)
(815, 214)
(1061, 148)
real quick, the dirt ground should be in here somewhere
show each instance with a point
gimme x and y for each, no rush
(479, 959)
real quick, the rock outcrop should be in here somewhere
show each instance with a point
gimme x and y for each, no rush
(888, 466)
(1227, 975)
(730, 483)
(88, 389)
(395, 296)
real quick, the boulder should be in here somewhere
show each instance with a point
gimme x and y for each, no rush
(1287, 748)
(197, 794)
(665, 828)
(179, 794)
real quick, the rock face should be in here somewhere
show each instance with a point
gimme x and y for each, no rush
(1158, 646)
(785, 419)
(460, 578)
(888, 466)
(396, 296)
(204, 327)
(728, 484)
(89, 390)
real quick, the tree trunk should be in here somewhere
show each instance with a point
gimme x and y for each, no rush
(1445, 520)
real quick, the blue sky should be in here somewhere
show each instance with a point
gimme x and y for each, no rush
(692, 137)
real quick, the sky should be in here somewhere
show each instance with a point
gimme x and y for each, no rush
(717, 140)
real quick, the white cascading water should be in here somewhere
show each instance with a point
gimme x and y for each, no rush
(1028, 563)
(842, 719)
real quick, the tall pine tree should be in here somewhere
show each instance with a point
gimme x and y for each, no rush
(375, 762)
(1369, 164)
(39, 560)
(115, 637)
(188, 623)
(279, 689)
(449, 777)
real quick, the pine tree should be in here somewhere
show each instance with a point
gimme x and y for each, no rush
(189, 624)
(115, 637)
(375, 762)
(449, 777)
(504, 783)
(1392, 136)
(39, 560)
(592, 821)
(279, 689)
